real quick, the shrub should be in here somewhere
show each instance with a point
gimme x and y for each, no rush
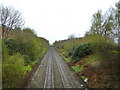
(81, 51)
(31, 50)
(15, 46)
(100, 43)
(13, 71)
(4, 50)
(27, 60)
(71, 51)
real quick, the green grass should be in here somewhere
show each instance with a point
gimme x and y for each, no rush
(67, 59)
(92, 58)
(77, 68)
(115, 51)
(83, 77)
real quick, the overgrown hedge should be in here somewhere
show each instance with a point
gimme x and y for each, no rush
(20, 53)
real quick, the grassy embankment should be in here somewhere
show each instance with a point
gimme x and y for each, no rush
(97, 62)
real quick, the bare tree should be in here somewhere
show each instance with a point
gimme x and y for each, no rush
(10, 18)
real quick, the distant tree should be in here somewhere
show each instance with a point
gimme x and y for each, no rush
(72, 36)
(29, 31)
(104, 25)
(118, 19)
(109, 25)
(87, 33)
(97, 20)
(10, 18)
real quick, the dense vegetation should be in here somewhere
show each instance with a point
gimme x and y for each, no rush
(95, 57)
(20, 53)
(21, 48)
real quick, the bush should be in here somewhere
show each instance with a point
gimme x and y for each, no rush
(81, 51)
(31, 50)
(4, 50)
(71, 51)
(27, 60)
(15, 46)
(13, 71)
(100, 43)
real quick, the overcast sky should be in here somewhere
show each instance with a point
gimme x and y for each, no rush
(57, 19)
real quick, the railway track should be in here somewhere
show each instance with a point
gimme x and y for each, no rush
(53, 72)
(64, 76)
(49, 81)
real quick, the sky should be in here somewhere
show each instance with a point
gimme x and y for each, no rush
(57, 19)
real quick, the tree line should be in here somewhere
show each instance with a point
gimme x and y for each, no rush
(21, 47)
